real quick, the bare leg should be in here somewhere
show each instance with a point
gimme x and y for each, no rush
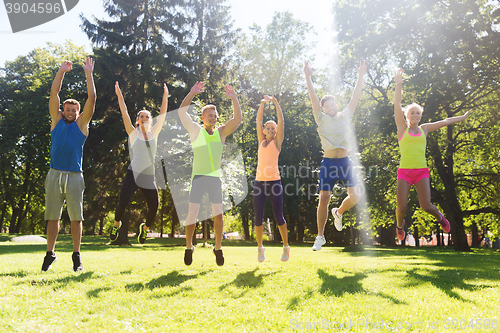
(402, 200)
(191, 223)
(284, 234)
(52, 232)
(424, 197)
(324, 200)
(218, 228)
(259, 231)
(76, 234)
(352, 198)
(218, 224)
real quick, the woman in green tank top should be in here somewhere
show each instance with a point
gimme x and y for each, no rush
(413, 166)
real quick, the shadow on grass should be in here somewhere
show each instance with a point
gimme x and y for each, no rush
(95, 293)
(337, 287)
(334, 286)
(445, 280)
(172, 279)
(348, 285)
(18, 274)
(294, 302)
(246, 280)
(63, 282)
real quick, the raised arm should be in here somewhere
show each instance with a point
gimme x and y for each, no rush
(88, 110)
(234, 122)
(163, 113)
(259, 117)
(356, 94)
(429, 127)
(398, 110)
(123, 109)
(281, 124)
(54, 101)
(310, 88)
(186, 120)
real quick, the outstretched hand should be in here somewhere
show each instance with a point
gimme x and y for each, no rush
(399, 76)
(267, 98)
(198, 87)
(66, 66)
(466, 114)
(307, 69)
(88, 66)
(117, 89)
(230, 91)
(361, 68)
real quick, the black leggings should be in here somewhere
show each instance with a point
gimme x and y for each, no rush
(128, 189)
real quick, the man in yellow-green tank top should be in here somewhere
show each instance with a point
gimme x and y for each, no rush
(413, 166)
(207, 143)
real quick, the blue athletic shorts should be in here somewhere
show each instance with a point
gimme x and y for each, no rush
(334, 170)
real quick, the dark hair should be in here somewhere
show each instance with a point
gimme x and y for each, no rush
(326, 98)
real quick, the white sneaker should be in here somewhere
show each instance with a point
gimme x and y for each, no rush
(286, 253)
(261, 256)
(318, 243)
(337, 219)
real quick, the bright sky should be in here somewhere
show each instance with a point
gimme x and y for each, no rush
(317, 13)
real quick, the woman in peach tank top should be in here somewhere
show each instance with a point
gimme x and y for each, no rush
(267, 180)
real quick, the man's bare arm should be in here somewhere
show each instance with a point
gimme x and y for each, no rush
(356, 94)
(54, 102)
(88, 109)
(186, 119)
(310, 88)
(234, 122)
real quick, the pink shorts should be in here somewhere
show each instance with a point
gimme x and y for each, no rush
(413, 176)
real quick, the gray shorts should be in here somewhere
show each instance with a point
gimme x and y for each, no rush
(63, 186)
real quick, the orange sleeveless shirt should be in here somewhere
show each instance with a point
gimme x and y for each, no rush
(267, 165)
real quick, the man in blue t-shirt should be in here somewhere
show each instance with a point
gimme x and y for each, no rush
(64, 182)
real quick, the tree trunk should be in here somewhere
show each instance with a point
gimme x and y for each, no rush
(300, 232)
(175, 221)
(101, 225)
(475, 235)
(415, 235)
(244, 220)
(387, 236)
(448, 200)
(4, 210)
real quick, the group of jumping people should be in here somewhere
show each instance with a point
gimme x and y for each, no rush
(70, 128)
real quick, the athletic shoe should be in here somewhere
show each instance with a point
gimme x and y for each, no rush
(77, 262)
(114, 232)
(188, 256)
(445, 225)
(318, 243)
(401, 232)
(49, 259)
(337, 219)
(286, 253)
(142, 234)
(219, 258)
(261, 257)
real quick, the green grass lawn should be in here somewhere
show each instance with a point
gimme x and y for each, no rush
(149, 289)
